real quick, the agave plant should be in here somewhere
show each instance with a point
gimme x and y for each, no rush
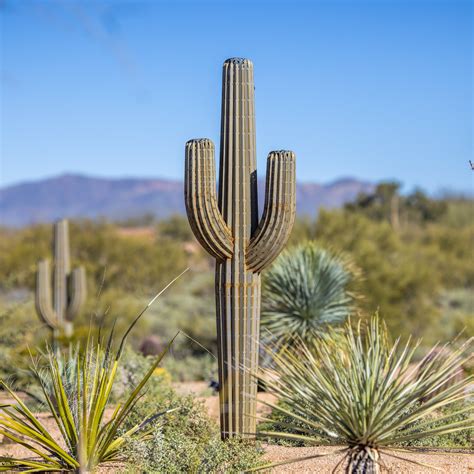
(305, 290)
(77, 397)
(367, 394)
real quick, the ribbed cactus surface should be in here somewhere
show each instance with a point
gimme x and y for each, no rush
(57, 308)
(227, 225)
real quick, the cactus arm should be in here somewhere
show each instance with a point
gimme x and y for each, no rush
(204, 216)
(279, 211)
(78, 291)
(44, 307)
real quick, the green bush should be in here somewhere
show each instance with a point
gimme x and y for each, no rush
(407, 267)
(190, 310)
(397, 277)
(111, 259)
(457, 313)
(187, 369)
(458, 439)
(189, 441)
(176, 228)
(19, 331)
(191, 368)
(175, 453)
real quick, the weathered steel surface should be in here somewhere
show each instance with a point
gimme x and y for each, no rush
(228, 227)
(69, 288)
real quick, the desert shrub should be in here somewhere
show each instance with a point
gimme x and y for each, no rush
(133, 265)
(189, 441)
(136, 266)
(191, 311)
(19, 252)
(449, 251)
(187, 369)
(385, 203)
(135, 365)
(177, 453)
(364, 393)
(233, 456)
(305, 290)
(191, 368)
(19, 332)
(133, 368)
(459, 211)
(455, 413)
(406, 271)
(176, 228)
(397, 277)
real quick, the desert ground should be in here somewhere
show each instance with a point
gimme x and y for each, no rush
(448, 463)
(452, 462)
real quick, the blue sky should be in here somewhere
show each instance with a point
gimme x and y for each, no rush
(375, 90)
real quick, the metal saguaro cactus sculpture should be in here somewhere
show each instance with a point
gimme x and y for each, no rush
(69, 288)
(228, 227)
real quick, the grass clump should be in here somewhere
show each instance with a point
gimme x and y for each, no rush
(304, 291)
(363, 392)
(78, 404)
(77, 389)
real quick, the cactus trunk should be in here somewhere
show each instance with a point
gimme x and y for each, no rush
(228, 227)
(238, 321)
(237, 289)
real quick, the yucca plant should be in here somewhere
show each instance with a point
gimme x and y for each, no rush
(78, 403)
(366, 395)
(306, 290)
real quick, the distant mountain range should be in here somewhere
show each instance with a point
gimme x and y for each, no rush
(78, 196)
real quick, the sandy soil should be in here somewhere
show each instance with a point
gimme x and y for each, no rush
(448, 463)
(459, 463)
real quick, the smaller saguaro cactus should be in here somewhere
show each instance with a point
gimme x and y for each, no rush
(58, 310)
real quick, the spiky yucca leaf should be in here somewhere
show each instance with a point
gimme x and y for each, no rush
(365, 393)
(305, 290)
(78, 407)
